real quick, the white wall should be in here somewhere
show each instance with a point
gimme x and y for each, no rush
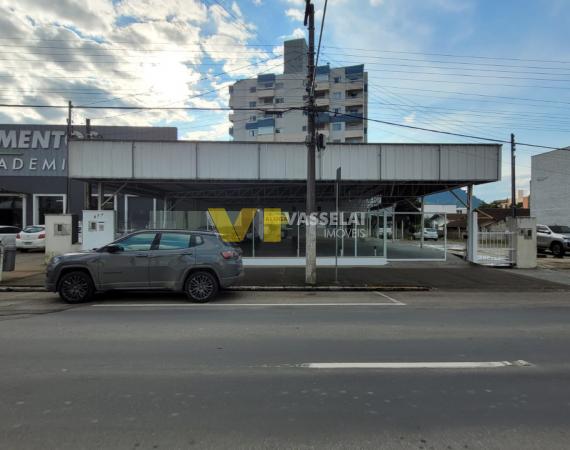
(550, 188)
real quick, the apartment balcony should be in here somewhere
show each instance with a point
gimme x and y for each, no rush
(354, 100)
(322, 101)
(265, 92)
(354, 132)
(265, 101)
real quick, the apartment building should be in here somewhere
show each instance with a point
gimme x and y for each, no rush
(341, 97)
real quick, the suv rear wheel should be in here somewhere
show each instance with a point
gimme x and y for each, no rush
(76, 287)
(201, 286)
(557, 249)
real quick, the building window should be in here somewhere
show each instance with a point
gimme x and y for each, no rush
(279, 100)
(305, 113)
(365, 130)
(278, 85)
(336, 141)
(47, 204)
(277, 130)
(337, 95)
(336, 110)
(252, 89)
(337, 126)
(337, 79)
(268, 85)
(252, 133)
(252, 104)
(252, 118)
(304, 127)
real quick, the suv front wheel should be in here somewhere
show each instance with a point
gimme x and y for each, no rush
(76, 287)
(557, 249)
(201, 286)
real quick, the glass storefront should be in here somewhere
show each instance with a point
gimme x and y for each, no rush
(11, 210)
(273, 233)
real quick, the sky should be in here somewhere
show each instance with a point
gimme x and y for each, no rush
(478, 67)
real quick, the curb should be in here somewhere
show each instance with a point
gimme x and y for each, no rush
(22, 289)
(329, 288)
(269, 288)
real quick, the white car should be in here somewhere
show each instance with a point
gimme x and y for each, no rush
(429, 234)
(31, 238)
(9, 231)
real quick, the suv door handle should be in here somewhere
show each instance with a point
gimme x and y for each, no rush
(141, 255)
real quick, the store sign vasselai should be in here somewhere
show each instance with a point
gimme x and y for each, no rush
(29, 152)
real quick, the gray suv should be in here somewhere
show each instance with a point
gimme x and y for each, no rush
(196, 263)
(555, 238)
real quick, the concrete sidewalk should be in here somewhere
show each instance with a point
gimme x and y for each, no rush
(452, 275)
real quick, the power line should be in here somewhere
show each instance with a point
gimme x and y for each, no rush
(481, 138)
(450, 55)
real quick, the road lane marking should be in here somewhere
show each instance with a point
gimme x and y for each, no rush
(393, 300)
(219, 305)
(417, 365)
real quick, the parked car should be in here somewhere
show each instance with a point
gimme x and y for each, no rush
(429, 234)
(9, 230)
(388, 232)
(196, 263)
(31, 238)
(555, 238)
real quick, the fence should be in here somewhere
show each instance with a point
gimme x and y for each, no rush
(495, 248)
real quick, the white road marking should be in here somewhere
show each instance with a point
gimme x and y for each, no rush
(233, 305)
(416, 365)
(393, 300)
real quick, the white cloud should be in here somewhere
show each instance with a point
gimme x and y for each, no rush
(376, 2)
(146, 52)
(295, 14)
(257, 2)
(210, 132)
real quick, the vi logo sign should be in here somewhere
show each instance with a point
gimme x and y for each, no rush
(236, 231)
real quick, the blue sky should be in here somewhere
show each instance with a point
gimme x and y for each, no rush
(478, 67)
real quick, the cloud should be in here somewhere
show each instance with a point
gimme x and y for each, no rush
(295, 14)
(376, 2)
(257, 2)
(210, 132)
(133, 52)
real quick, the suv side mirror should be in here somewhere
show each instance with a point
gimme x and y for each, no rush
(113, 248)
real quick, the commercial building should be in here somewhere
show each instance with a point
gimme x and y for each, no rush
(341, 96)
(246, 189)
(33, 170)
(550, 187)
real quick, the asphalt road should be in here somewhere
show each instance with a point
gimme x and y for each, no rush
(147, 372)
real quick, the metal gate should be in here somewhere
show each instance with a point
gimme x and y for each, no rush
(495, 248)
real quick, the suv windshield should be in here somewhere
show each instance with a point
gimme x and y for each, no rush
(560, 229)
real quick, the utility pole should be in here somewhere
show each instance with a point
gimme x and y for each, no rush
(69, 133)
(311, 228)
(88, 188)
(513, 176)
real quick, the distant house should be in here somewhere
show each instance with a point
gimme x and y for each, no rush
(447, 202)
(489, 219)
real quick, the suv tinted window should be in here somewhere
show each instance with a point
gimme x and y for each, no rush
(560, 229)
(137, 242)
(174, 241)
(541, 229)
